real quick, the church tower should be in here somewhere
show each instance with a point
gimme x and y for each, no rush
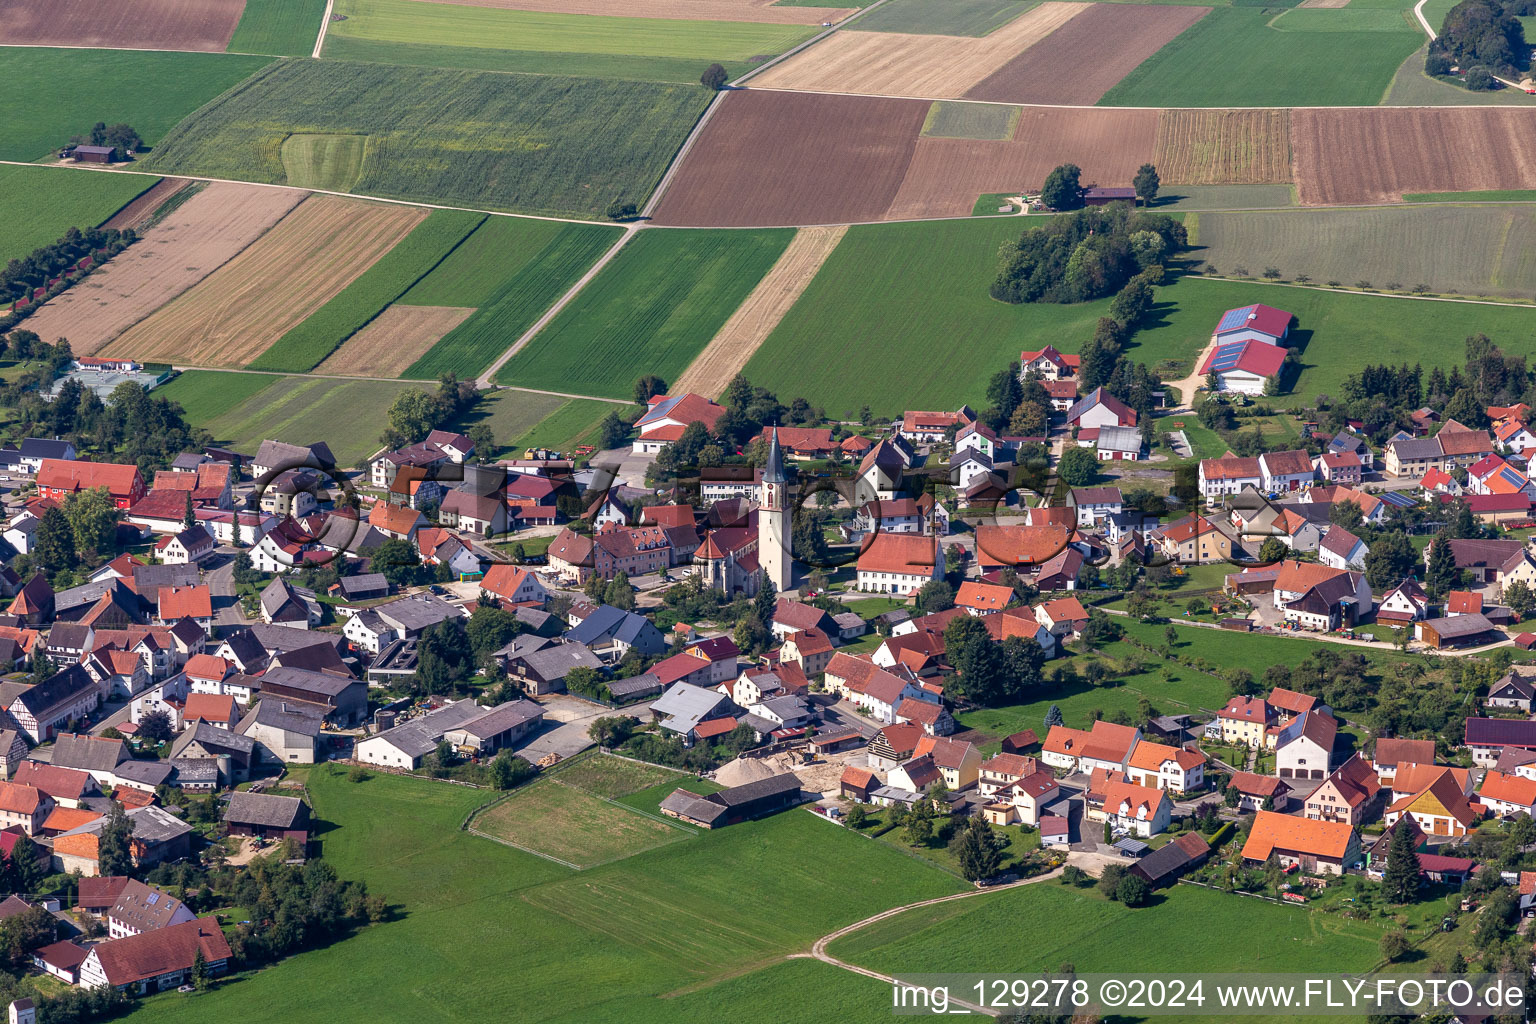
(773, 543)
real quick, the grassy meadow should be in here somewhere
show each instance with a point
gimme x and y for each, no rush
(39, 204)
(207, 394)
(47, 94)
(1248, 57)
(284, 28)
(651, 310)
(559, 146)
(513, 270)
(573, 422)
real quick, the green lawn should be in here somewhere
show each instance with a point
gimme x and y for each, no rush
(513, 269)
(941, 17)
(347, 414)
(572, 423)
(47, 95)
(605, 775)
(565, 39)
(305, 346)
(651, 310)
(643, 939)
(970, 120)
(39, 204)
(208, 394)
(1466, 249)
(574, 826)
(1245, 56)
(628, 67)
(562, 146)
(511, 414)
(287, 28)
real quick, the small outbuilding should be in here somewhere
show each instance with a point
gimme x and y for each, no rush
(266, 815)
(94, 154)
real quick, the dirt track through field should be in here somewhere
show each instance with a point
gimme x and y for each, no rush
(756, 318)
(291, 271)
(759, 11)
(194, 240)
(1223, 147)
(1088, 55)
(394, 340)
(783, 158)
(947, 175)
(139, 24)
(902, 64)
(143, 208)
(1375, 155)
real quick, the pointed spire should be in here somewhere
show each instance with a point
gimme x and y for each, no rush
(773, 471)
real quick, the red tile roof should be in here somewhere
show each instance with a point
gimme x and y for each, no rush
(983, 596)
(120, 481)
(194, 602)
(161, 951)
(1292, 834)
(902, 553)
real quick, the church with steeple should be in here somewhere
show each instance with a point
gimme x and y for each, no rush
(773, 539)
(730, 555)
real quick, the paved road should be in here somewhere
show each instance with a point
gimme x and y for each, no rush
(221, 585)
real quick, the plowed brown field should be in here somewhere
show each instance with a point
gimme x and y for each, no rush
(143, 208)
(731, 347)
(193, 241)
(760, 11)
(139, 25)
(781, 158)
(394, 340)
(1088, 55)
(946, 175)
(254, 299)
(1364, 155)
(1223, 147)
(901, 64)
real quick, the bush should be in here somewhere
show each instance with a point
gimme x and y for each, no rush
(1437, 65)
(1481, 80)
(714, 77)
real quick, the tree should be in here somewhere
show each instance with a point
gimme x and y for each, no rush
(1078, 467)
(189, 518)
(612, 730)
(93, 517)
(411, 415)
(620, 593)
(399, 562)
(112, 850)
(920, 824)
(714, 77)
(155, 726)
(507, 770)
(1273, 550)
(1132, 890)
(935, 596)
(1134, 300)
(1521, 601)
(1390, 559)
(200, 979)
(979, 850)
(490, 629)
(1346, 514)
(621, 209)
(1146, 183)
(1400, 878)
(647, 387)
(857, 815)
(244, 570)
(611, 431)
(1441, 576)
(55, 541)
(1063, 189)
(1394, 945)
(1052, 716)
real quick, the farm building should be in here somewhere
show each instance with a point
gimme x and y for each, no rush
(1243, 366)
(1101, 195)
(94, 154)
(727, 807)
(1256, 323)
(1456, 631)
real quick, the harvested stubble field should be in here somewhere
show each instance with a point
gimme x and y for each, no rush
(142, 209)
(652, 309)
(141, 25)
(233, 315)
(1374, 156)
(762, 11)
(563, 146)
(197, 238)
(39, 204)
(513, 270)
(946, 175)
(1223, 147)
(1469, 249)
(428, 244)
(756, 318)
(948, 120)
(908, 64)
(770, 158)
(1090, 53)
(394, 340)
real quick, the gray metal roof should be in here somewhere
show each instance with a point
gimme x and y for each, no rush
(418, 737)
(555, 661)
(684, 706)
(414, 614)
(502, 717)
(265, 809)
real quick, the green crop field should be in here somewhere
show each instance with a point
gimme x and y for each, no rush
(510, 414)
(39, 204)
(1191, 198)
(564, 146)
(1468, 249)
(651, 310)
(671, 934)
(948, 120)
(536, 262)
(941, 17)
(286, 28)
(330, 162)
(305, 346)
(574, 826)
(209, 394)
(1499, 196)
(573, 423)
(1235, 57)
(348, 414)
(487, 38)
(47, 95)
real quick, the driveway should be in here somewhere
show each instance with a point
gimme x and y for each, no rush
(628, 468)
(221, 586)
(566, 721)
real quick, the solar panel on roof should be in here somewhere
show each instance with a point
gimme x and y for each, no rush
(151, 899)
(1397, 498)
(1512, 476)
(1234, 318)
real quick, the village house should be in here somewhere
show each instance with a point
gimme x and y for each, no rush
(1348, 795)
(60, 478)
(668, 416)
(1100, 409)
(978, 598)
(1048, 363)
(1159, 766)
(1304, 747)
(1244, 366)
(1192, 540)
(1318, 847)
(1244, 721)
(1220, 478)
(1254, 791)
(1105, 746)
(64, 697)
(899, 564)
(1513, 691)
(1257, 322)
(156, 960)
(142, 908)
(1413, 456)
(1439, 807)
(1138, 810)
(1286, 471)
(1023, 801)
(1404, 604)
(1506, 795)
(1391, 752)
(1341, 549)
(1094, 505)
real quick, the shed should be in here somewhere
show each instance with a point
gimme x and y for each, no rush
(95, 154)
(1099, 195)
(266, 815)
(1457, 631)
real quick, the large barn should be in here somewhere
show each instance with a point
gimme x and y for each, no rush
(1254, 323)
(1243, 366)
